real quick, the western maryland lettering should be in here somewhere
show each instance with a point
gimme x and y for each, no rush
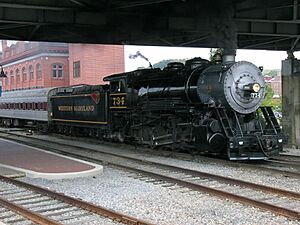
(65, 108)
(76, 108)
(84, 108)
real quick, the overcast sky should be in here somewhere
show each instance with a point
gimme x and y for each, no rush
(267, 59)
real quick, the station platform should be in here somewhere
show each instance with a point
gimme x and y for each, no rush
(37, 163)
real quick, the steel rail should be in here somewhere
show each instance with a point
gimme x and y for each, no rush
(288, 157)
(119, 217)
(283, 162)
(31, 215)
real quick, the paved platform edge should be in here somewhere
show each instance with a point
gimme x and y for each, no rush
(7, 172)
(52, 176)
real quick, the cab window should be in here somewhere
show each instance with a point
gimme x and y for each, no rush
(118, 86)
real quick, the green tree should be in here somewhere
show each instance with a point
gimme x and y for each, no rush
(272, 73)
(276, 103)
(212, 53)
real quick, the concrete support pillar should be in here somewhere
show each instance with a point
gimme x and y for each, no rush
(291, 99)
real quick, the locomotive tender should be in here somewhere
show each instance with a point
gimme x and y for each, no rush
(198, 106)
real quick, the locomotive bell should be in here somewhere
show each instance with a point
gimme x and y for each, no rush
(218, 58)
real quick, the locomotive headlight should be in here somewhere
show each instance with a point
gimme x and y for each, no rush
(279, 140)
(251, 87)
(241, 142)
(256, 87)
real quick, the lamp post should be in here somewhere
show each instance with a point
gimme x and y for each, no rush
(2, 75)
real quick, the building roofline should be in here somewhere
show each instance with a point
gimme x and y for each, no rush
(28, 58)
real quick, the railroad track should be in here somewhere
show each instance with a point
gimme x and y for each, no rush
(290, 155)
(278, 162)
(289, 158)
(26, 204)
(276, 200)
(285, 160)
(285, 169)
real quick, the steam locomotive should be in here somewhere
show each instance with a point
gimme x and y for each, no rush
(200, 107)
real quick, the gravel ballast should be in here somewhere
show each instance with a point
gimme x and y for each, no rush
(120, 191)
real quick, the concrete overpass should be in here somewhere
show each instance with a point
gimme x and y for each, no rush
(244, 24)
(259, 24)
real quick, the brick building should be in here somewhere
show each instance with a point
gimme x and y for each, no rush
(34, 65)
(89, 63)
(44, 64)
(276, 84)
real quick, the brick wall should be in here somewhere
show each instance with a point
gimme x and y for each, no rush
(276, 85)
(96, 62)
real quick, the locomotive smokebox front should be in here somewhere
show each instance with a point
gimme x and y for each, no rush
(236, 85)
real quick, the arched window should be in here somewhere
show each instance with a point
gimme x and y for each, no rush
(38, 71)
(30, 70)
(24, 74)
(12, 78)
(18, 78)
(57, 71)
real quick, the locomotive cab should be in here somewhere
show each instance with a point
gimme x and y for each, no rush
(121, 97)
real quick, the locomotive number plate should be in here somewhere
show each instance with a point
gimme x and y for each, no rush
(118, 101)
(255, 95)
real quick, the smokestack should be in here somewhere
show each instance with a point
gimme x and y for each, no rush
(229, 55)
(223, 27)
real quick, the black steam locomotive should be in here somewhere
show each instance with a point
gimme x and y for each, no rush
(198, 107)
